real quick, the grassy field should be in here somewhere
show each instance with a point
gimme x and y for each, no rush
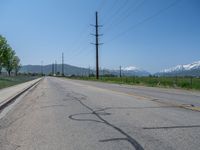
(167, 82)
(10, 81)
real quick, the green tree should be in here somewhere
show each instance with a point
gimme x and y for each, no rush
(8, 59)
(16, 64)
(3, 48)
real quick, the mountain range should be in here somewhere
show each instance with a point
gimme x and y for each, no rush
(47, 69)
(192, 69)
(73, 70)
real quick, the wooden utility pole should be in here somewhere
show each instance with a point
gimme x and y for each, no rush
(63, 64)
(120, 71)
(97, 43)
(41, 67)
(89, 71)
(52, 69)
(55, 67)
(97, 48)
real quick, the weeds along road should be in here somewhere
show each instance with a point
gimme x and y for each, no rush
(63, 114)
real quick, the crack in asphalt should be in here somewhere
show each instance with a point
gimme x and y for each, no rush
(172, 127)
(151, 107)
(93, 120)
(135, 144)
(50, 106)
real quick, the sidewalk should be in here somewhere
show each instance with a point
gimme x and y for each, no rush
(9, 93)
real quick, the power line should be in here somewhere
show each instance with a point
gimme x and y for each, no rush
(101, 5)
(110, 8)
(127, 13)
(141, 22)
(116, 12)
(83, 51)
(79, 48)
(78, 52)
(145, 20)
(78, 45)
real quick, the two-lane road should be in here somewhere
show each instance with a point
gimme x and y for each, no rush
(63, 114)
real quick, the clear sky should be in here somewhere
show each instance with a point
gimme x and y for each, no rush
(149, 34)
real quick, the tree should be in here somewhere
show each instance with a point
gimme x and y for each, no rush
(16, 64)
(3, 48)
(8, 59)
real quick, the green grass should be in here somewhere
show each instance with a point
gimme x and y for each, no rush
(167, 82)
(10, 81)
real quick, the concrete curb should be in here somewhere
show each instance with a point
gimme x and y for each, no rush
(5, 103)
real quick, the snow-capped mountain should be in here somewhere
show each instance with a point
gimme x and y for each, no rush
(194, 65)
(192, 69)
(131, 71)
(130, 68)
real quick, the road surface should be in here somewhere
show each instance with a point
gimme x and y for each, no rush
(63, 114)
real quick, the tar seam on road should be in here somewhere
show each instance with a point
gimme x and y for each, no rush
(128, 138)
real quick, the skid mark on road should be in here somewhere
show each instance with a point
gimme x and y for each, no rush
(135, 144)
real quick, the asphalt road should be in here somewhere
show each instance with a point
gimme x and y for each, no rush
(62, 114)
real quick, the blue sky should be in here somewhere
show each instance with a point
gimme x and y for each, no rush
(149, 34)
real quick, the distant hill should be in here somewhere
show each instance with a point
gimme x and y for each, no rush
(73, 70)
(47, 69)
(192, 69)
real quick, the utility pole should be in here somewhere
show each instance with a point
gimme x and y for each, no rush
(97, 48)
(120, 71)
(89, 72)
(55, 67)
(97, 44)
(52, 69)
(41, 67)
(63, 64)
